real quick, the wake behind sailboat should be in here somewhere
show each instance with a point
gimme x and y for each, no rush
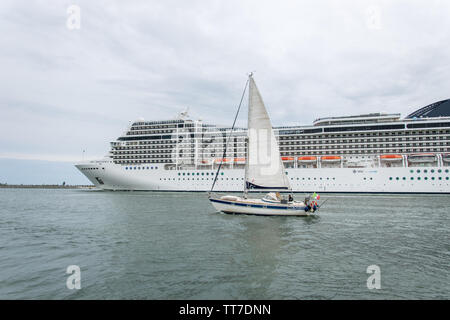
(264, 170)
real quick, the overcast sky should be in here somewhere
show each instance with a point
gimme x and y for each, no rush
(63, 90)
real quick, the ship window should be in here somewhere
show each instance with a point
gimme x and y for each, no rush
(439, 170)
(412, 178)
(425, 171)
(126, 168)
(426, 178)
(404, 178)
(446, 170)
(432, 178)
(418, 178)
(221, 173)
(432, 170)
(418, 171)
(390, 178)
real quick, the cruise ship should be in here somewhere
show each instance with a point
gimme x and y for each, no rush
(367, 153)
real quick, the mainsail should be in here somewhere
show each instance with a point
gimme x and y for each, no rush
(264, 168)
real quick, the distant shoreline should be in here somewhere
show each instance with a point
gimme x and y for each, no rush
(45, 186)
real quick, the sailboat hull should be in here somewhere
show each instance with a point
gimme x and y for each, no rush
(258, 207)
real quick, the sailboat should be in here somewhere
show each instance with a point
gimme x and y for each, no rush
(264, 170)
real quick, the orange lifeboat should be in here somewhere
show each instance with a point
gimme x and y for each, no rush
(239, 160)
(307, 159)
(224, 160)
(205, 161)
(287, 158)
(391, 157)
(331, 158)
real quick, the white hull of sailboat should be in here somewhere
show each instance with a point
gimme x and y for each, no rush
(257, 207)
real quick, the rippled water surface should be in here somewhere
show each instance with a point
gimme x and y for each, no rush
(133, 245)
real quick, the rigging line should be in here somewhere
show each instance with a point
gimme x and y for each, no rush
(229, 136)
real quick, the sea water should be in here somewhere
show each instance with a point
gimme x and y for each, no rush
(161, 245)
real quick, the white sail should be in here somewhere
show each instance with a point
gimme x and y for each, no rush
(264, 168)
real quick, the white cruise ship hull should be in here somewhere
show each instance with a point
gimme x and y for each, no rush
(110, 176)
